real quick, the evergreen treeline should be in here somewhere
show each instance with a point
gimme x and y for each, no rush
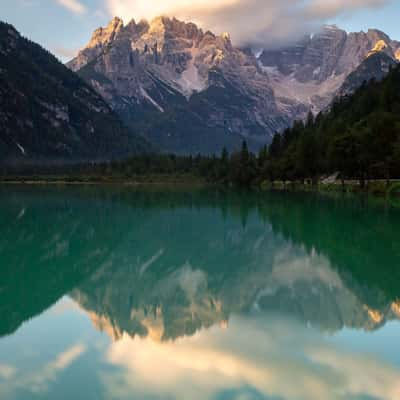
(359, 137)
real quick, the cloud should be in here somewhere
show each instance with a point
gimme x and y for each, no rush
(6, 371)
(73, 5)
(215, 360)
(63, 53)
(38, 380)
(331, 8)
(249, 21)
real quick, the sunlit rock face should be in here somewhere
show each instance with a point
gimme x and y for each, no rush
(101, 37)
(192, 91)
(217, 93)
(313, 70)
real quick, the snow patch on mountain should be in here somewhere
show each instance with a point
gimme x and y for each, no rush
(316, 96)
(22, 150)
(150, 99)
(312, 71)
(190, 80)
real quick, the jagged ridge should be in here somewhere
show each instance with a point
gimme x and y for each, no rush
(191, 91)
(312, 71)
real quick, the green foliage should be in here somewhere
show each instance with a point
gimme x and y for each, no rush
(359, 137)
(239, 169)
(394, 189)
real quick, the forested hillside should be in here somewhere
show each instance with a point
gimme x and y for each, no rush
(359, 137)
(48, 113)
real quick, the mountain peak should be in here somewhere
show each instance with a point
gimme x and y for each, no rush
(379, 47)
(105, 35)
(158, 23)
(331, 27)
(226, 36)
(173, 26)
(332, 30)
(162, 66)
(167, 64)
(377, 32)
(116, 21)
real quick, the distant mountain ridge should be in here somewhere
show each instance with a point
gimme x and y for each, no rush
(48, 113)
(192, 91)
(312, 71)
(187, 90)
(183, 89)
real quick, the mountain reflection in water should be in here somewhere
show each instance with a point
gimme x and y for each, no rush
(207, 294)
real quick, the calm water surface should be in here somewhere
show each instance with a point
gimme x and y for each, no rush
(119, 294)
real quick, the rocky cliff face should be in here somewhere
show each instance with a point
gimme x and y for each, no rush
(375, 66)
(192, 90)
(312, 71)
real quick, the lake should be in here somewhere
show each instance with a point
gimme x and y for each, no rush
(116, 293)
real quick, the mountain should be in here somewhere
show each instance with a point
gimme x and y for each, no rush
(48, 113)
(312, 71)
(191, 91)
(187, 90)
(375, 66)
(359, 137)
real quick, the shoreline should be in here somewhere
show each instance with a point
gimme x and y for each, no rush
(377, 188)
(95, 181)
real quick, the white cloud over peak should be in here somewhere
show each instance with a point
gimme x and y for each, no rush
(248, 21)
(64, 53)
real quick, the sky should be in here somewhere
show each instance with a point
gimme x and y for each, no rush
(65, 26)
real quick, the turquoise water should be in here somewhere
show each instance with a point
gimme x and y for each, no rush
(120, 294)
